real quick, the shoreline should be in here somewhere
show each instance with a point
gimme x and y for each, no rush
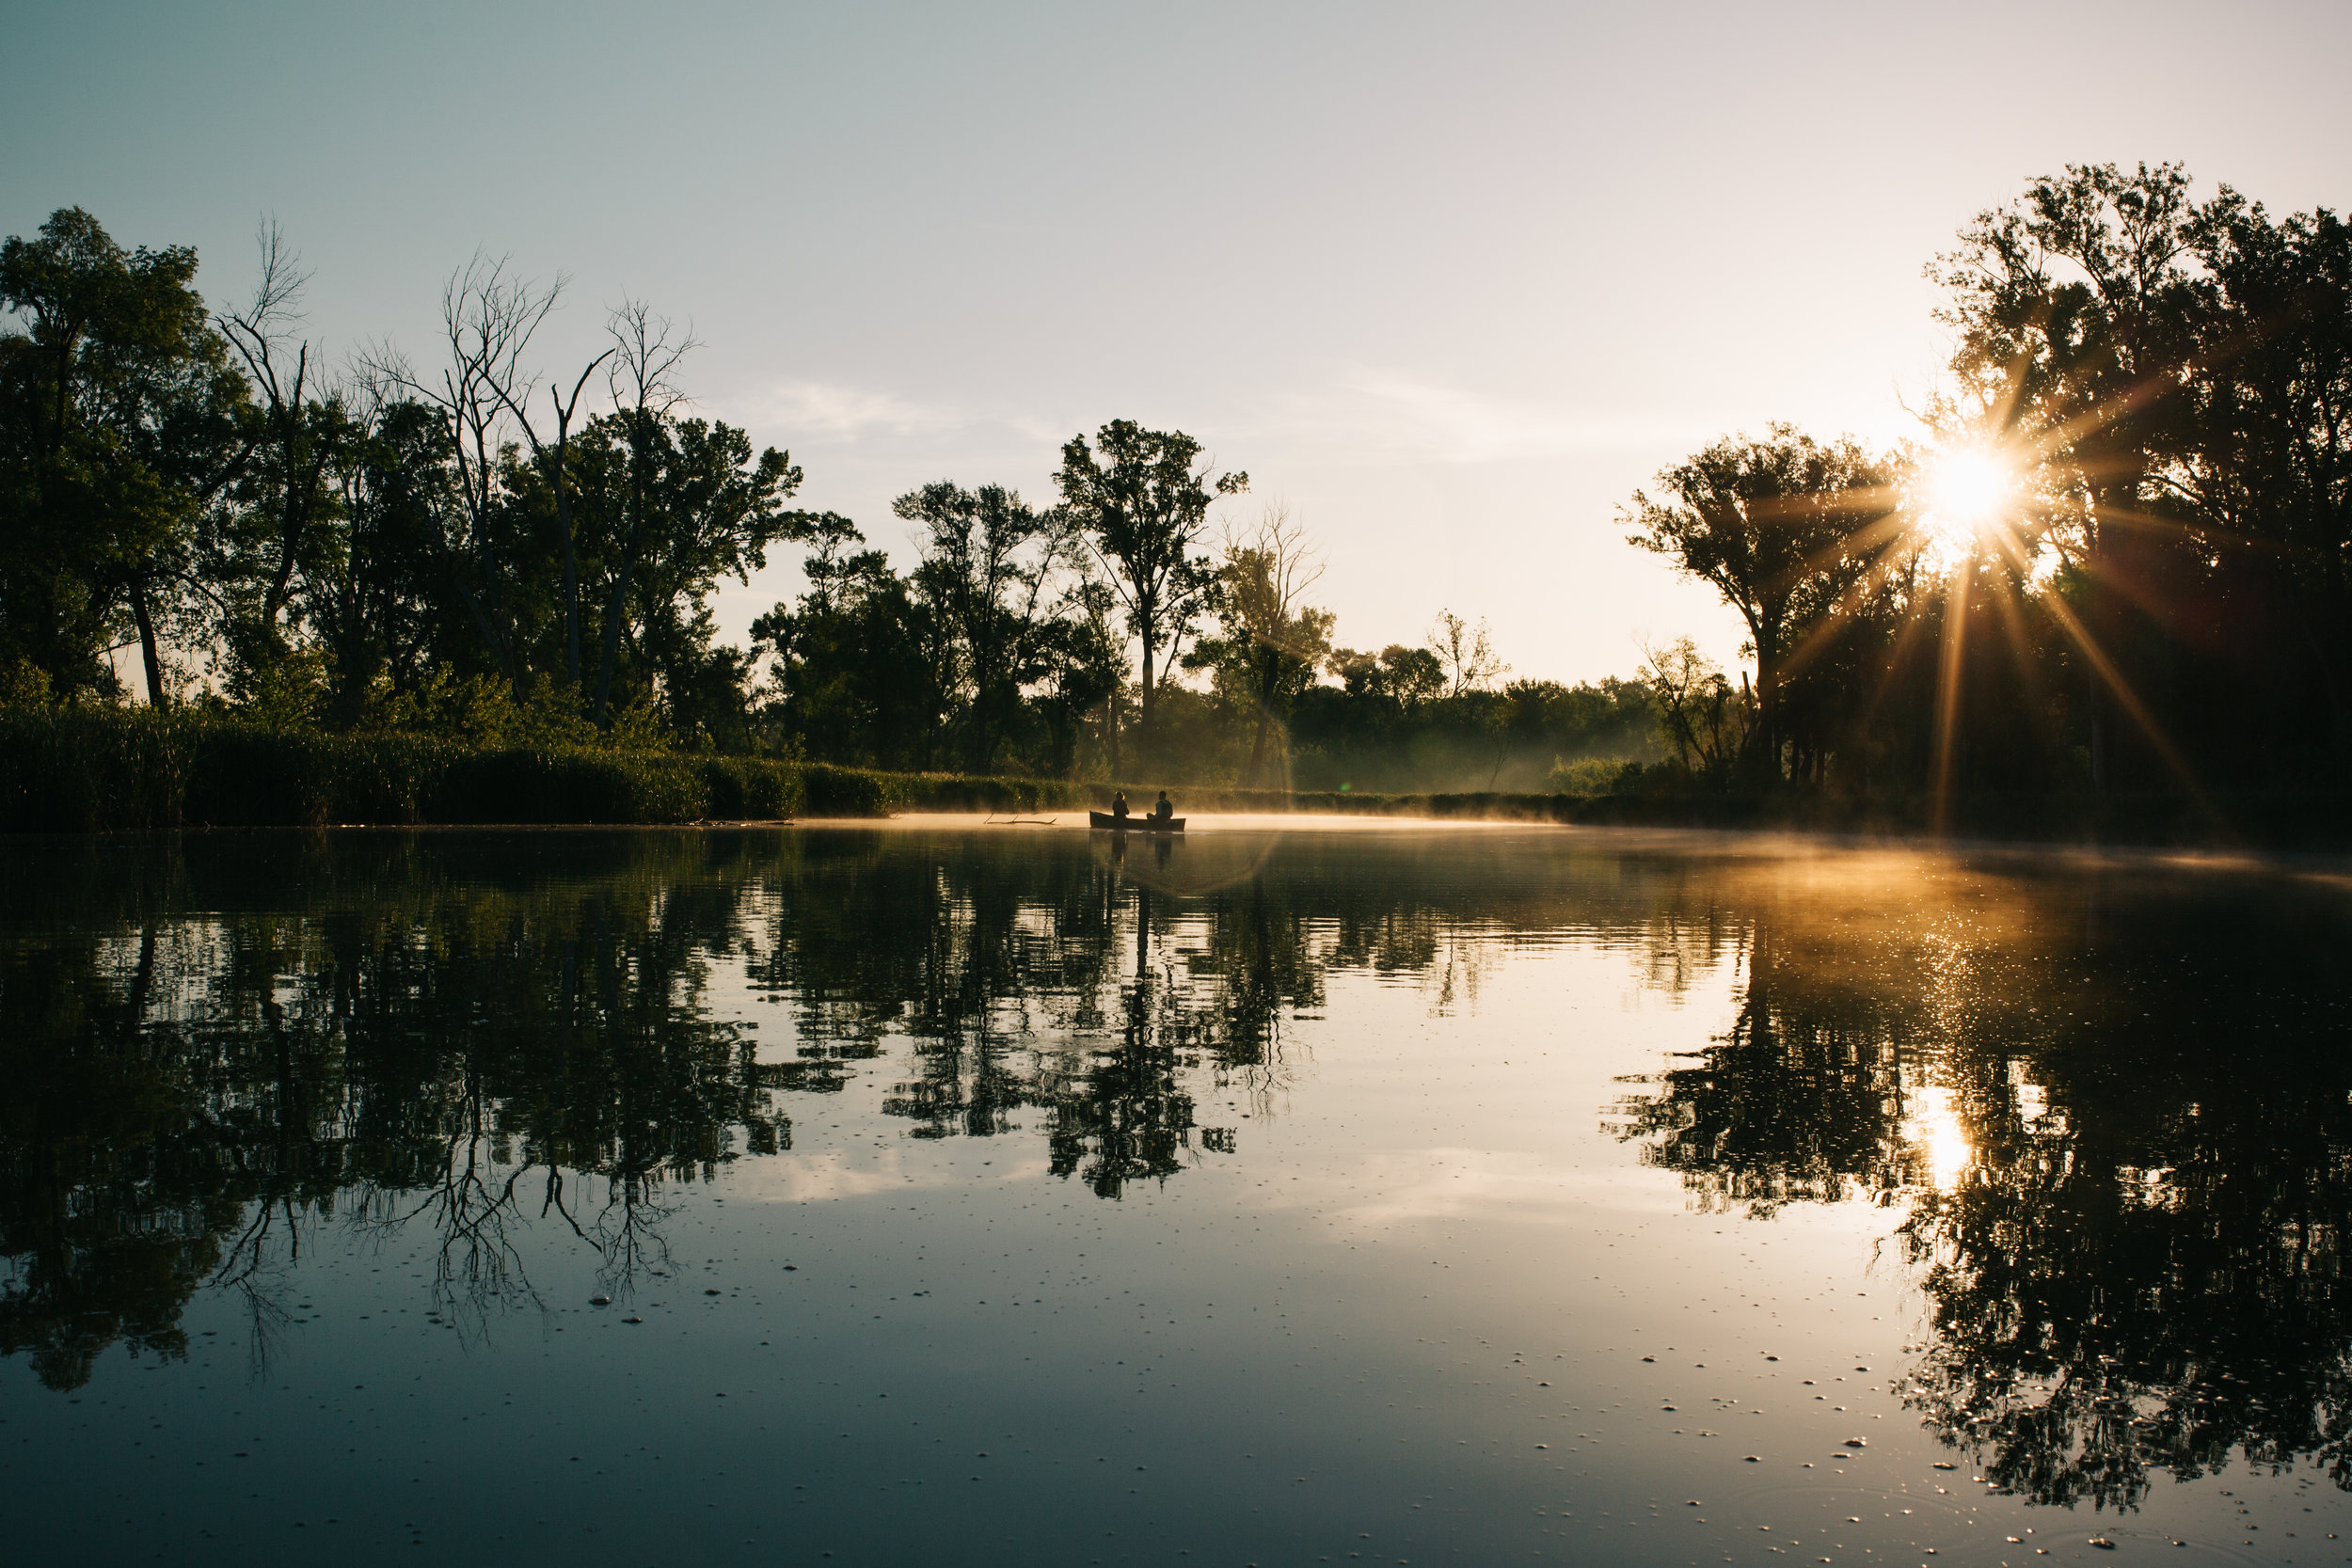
(79, 773)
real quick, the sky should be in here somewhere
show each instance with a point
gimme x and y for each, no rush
(1450, 281)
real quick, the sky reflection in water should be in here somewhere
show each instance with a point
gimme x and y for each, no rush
(982, 1194)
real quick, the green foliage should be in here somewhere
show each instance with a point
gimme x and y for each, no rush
(1144, 497)
(419, 558)
(120, 419)
(85, 770)
(1797, 536)
(1594, 776)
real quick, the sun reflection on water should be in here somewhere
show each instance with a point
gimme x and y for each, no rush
(1934, 1128)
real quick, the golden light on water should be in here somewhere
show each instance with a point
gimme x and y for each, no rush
(1936, 1132)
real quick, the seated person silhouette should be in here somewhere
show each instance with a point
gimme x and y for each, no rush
(1119, 804)
(1166, 808)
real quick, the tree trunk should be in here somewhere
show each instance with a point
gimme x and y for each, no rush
(571, 561)
(1143, 716)
(148, 654)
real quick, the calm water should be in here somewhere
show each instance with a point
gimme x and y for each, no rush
(975, 1194)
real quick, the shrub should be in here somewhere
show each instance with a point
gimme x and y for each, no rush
(1593, 776)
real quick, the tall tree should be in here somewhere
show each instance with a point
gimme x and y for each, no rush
(641, 380)
(2263, 457)
(667, 507)
(1271, 642)
(990, 559)
(1144, 498)
(2071, 308)
(1785, 529)
(488, 318)
(120, 419)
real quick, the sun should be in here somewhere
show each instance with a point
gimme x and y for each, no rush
(1968, 487)
(1964, 492)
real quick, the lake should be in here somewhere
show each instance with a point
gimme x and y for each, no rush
(1291, 1193)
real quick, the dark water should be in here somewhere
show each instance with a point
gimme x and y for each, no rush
(965, 1195)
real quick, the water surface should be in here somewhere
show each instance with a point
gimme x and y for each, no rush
(969, 1194)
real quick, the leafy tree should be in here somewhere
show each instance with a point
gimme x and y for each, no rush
(2073, 305)
(1787, 530)
(1084, 662)
(1144, 498)
(665, 508)
(989, 559)
(2262, 459)
(853, 675)
(120, 419)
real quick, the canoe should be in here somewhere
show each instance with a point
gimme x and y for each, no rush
(1135, 824)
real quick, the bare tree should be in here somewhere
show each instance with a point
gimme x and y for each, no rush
(488, 318)
(647, 351)
(263, 333)
(1266, 571)
(1467, 652)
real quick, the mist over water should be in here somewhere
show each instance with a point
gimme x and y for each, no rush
(980, 1194)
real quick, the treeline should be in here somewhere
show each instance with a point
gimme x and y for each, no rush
(2118, 563)
(488, 546)
(2115, 563)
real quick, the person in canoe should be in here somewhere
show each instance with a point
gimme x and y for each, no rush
(1166, 808)
(1119, 804)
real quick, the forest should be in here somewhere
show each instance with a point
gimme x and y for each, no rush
(2114, 558)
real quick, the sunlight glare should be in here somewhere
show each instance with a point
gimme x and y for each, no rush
(1967, 491)
(1967, 487)
(1935, 1131)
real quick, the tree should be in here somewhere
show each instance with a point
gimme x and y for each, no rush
(1084, 663)
(379, 601)
(1785, 529)
(1466, 651)
(1403, 678)
(120, 419)
(643, 395)
(2263, 460)
(1144, 497)
(1271, 643)
(488, 319)
(853, 669)
(666, 507)
(2071, 307)
(989, 559)
(1707, 719)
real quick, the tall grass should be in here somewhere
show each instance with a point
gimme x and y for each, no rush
(111, 770)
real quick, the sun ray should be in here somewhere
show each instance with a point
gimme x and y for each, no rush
(1948, 688)
(2113, 678)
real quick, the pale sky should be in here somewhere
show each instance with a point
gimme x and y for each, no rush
(1451, 280)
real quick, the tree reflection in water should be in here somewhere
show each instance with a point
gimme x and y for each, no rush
(2116, 1121)
(2112, 1120)
(212, 1049)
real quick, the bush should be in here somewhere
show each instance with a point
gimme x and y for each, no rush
(1593, 776)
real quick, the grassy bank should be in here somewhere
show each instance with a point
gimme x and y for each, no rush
(114, 770)
(135, 769)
